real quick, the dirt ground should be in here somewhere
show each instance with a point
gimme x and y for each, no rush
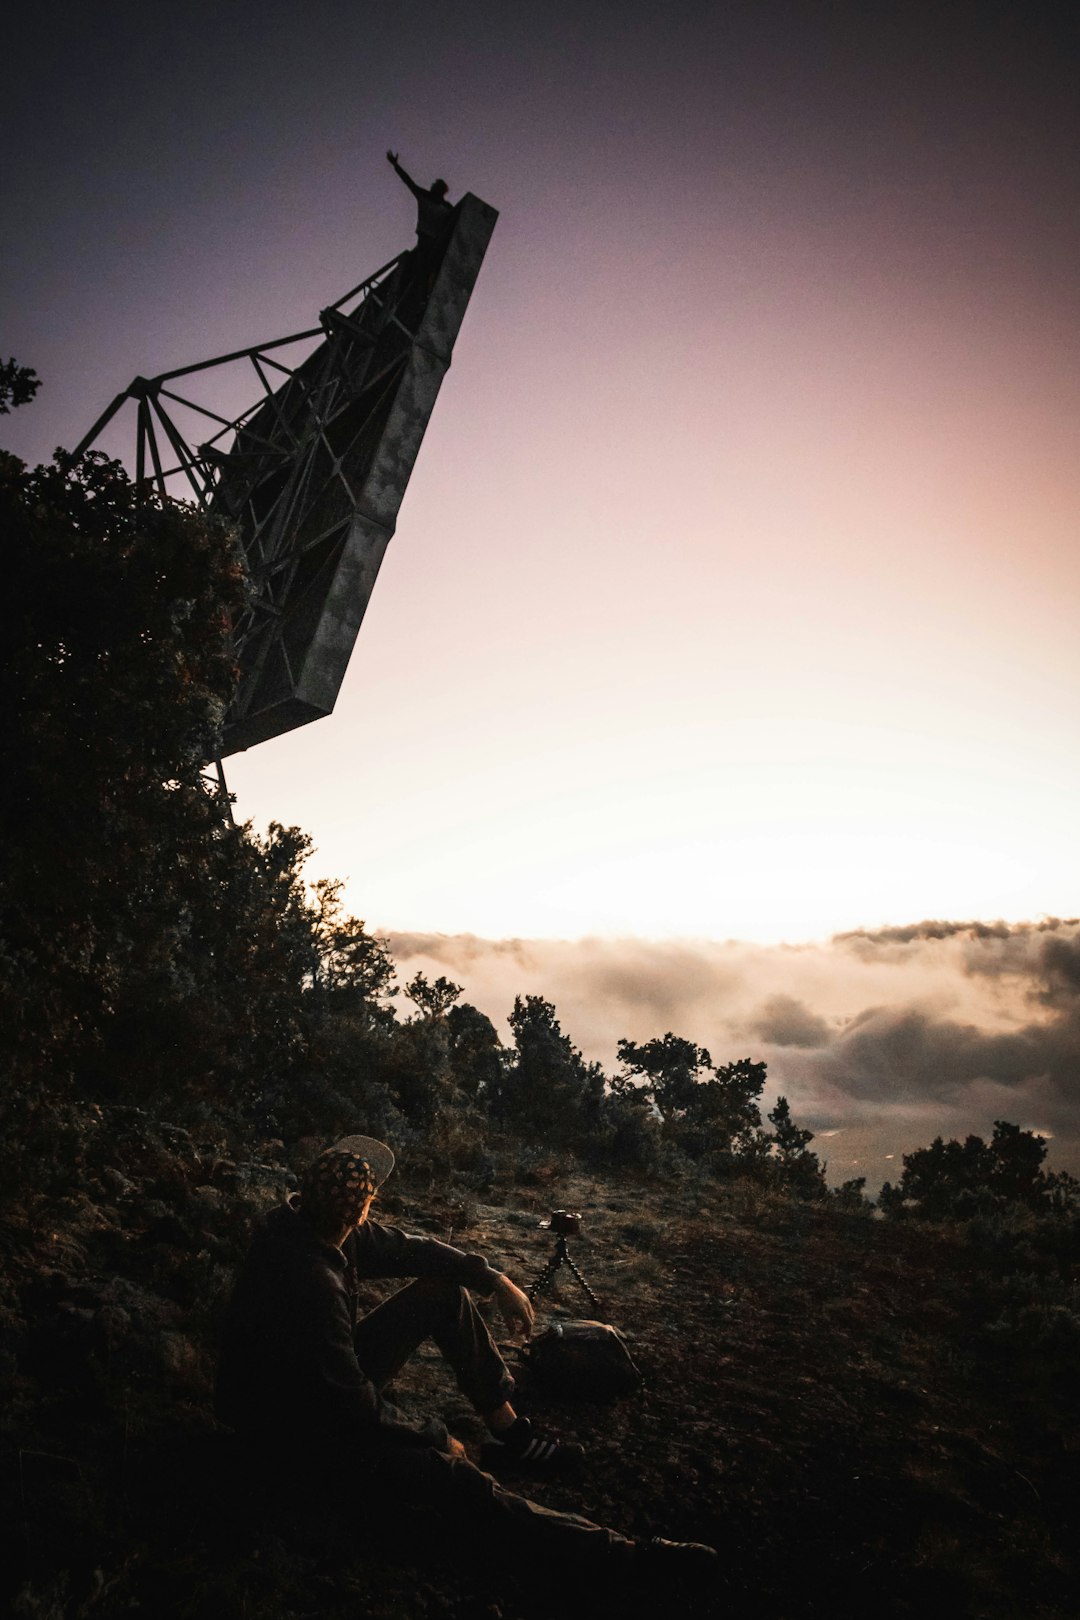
(824, 1400)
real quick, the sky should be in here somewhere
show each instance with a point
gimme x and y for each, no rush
(732, 603)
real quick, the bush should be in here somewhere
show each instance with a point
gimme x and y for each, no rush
(1038, 1312)
(950, 1180)
(627, 1135)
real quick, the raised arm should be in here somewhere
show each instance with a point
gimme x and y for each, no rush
(402, 174)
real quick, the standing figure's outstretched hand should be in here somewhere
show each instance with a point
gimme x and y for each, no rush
(391, 157)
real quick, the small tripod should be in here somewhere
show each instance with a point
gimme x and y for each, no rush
(564, 1226)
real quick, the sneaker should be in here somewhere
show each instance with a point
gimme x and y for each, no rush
(683, 1560)
(523, 1449)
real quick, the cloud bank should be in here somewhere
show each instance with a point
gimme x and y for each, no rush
(880, 1039)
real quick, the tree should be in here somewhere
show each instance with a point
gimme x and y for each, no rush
(670, 1069)
(935, 1178)
(706, 1109)
(149, 950)
(432, 1000)
(352, 966)
(789, 1139)
(548, 1089)
(117, 670)
(1015, 1164)
(947, 1180)
(417, 1071)
(477, 1057)
(725, 1113)
(18, 385)
(797, 1166)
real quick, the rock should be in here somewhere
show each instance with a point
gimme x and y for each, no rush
(113, 1324)
(179, 1355)
(119, 1185)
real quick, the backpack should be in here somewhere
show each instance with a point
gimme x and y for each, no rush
(588, 1360)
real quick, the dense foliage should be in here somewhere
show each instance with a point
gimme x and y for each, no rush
(155, 954)
(18, 385)
(954, 1180)
(185, 1021)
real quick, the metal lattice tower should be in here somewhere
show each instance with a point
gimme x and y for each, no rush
(312, 472)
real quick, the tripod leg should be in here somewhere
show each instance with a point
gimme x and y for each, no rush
(593, 1301)
(544, 1278)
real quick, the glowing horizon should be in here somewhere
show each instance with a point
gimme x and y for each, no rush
(734, 594)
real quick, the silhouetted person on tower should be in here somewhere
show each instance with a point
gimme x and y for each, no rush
(434, 216)
(433, 212)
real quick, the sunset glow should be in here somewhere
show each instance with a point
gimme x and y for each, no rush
(734, 595)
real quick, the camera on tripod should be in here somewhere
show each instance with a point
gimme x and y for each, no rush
(562, 1225)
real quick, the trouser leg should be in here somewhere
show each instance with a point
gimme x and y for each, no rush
(476, 1506)
(433, 1308)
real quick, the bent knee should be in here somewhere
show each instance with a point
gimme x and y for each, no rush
(443, 1289)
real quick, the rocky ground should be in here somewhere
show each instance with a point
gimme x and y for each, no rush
(864, 1417)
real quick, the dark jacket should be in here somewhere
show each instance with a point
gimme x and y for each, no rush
(288, 1372)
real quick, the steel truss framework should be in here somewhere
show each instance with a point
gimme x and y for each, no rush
(312, 472)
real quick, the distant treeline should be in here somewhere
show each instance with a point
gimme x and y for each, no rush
(154, 954)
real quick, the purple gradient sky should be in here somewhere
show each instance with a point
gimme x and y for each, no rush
(735, 591)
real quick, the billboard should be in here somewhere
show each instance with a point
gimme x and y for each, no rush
(313, 472)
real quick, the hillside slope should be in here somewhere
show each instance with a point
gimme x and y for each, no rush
(864, 1416)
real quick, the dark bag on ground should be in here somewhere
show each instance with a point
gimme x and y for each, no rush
(585, 1359)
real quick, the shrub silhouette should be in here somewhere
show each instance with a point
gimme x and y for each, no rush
(950, 1180)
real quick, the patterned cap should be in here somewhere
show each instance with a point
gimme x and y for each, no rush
(336, 1186)
(377, 1154)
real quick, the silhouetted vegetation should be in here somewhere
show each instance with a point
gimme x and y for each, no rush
(18, 385)
(157, 956)
(185, 1022)
(956, 1180)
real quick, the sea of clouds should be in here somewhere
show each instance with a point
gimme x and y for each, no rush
(881, 1040)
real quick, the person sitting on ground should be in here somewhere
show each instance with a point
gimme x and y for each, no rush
(301, 1374)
